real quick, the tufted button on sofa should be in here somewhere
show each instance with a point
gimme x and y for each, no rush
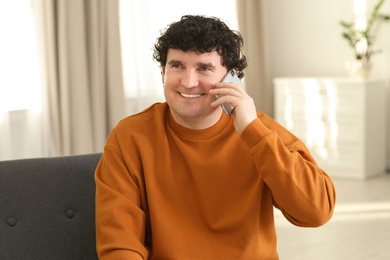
(47, 208)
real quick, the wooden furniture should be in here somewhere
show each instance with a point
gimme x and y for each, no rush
(341, 121)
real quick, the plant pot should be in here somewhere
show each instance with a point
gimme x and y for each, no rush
(358, 69)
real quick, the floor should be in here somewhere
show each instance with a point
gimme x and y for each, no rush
(359, 229)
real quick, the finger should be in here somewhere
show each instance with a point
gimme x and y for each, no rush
(226, 91)
(225, 99)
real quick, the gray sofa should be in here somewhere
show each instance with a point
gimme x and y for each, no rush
(47, 208)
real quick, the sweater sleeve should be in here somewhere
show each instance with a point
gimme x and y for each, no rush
(120, 221)
(300, 188)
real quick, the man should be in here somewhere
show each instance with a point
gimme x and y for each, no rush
(182, 180)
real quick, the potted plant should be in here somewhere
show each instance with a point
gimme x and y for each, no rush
(362, 40)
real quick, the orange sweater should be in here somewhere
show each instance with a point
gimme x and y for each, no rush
(168, 192)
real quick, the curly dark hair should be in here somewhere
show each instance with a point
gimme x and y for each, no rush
(202, 34)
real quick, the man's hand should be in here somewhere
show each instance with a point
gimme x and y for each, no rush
(244, 111)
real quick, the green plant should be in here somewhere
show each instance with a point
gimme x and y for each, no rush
(367, 36)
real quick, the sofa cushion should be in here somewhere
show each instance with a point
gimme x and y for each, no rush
(47, 208)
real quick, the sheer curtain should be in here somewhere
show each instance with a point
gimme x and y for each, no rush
(22, 128)
(141, 23)
(259, 85)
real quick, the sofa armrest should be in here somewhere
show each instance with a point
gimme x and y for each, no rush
(48, 208)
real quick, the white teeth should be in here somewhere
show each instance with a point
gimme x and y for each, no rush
(190, 96)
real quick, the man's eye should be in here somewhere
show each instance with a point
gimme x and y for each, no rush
(204, 68)
(175, 65)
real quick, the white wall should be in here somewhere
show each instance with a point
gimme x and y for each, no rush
(304, 39)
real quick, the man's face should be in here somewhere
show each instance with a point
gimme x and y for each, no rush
(187, 78)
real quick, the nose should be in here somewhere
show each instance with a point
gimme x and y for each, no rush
(190, 79)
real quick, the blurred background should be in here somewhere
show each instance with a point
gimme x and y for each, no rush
(63, 63)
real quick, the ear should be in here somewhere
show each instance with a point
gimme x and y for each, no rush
(162, 74)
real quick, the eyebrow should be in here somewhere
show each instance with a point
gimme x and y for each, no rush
(199, 64)
(209, 65)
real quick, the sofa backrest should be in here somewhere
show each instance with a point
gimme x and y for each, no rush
(47, 208)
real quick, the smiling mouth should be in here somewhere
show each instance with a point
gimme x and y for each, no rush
(191, 95)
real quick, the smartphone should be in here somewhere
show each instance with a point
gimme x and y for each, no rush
(231, 76)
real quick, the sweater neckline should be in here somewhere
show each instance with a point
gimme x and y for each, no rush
(198, 134)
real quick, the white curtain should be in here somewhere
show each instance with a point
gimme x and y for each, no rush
(22, 128)
(250, 23)
(142, 78)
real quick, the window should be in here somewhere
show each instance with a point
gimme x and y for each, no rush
(19, 63)
(21, 127)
